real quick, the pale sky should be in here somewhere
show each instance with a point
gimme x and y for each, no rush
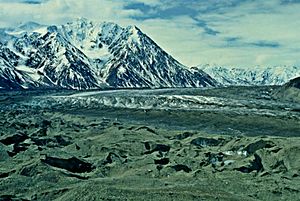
(224, 32)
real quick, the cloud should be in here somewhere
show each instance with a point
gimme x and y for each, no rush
(62, 11)
(144, 8)
(267, 44)
(24, 1)
(32, 2)
(283, 2)
(147, 2)
(227, 32)
(238, 42)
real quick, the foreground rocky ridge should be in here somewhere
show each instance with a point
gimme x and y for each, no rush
(47, 156)
(190, 145)
(87, 55)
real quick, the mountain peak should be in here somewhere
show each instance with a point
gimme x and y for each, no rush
(29, 26)
(83, 55)
(81, 23)
(82, 20)
(110, 27)
(134, 30)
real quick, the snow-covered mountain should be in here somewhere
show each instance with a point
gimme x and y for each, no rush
(10, 76)
(227, 76)
(86, 55)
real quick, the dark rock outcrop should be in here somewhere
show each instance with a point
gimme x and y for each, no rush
(255, 165)
(261, 144)
(71, 164)
(204, 142)
(14, 139)
(159, 148)
(163, 161)
(180, 167)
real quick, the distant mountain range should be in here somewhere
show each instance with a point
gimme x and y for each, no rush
(87, 55)
(227, 76)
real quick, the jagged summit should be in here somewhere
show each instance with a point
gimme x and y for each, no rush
(85, 55)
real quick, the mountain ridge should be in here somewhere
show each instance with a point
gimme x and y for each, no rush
(86, 55)
(227, 76)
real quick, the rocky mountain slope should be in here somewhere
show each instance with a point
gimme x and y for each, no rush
(11, 77)
(278, 75)
(290, 91)
(87, 55)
